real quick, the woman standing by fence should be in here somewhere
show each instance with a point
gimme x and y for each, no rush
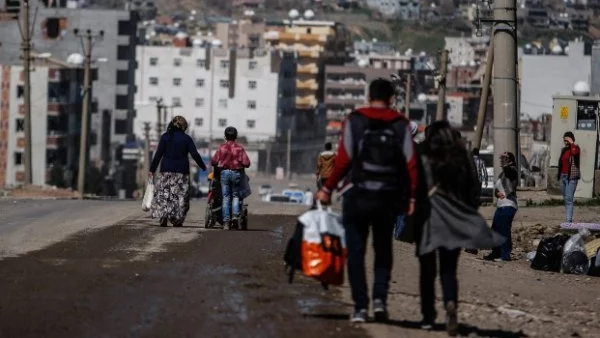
(172, 194)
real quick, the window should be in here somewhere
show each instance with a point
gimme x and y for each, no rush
(250, 124)
(18, 158)
(176, 102)
(177, 62)
(154, 81)
(199, 121)
(122, 77)
(251, 104)
(224, 63)
(177, 82)
(201, 63)
(153, 61)
(224, 83)
(52, 28)
(124, 52)
(20, 91)
(20, 125)
(125, 28)
(200, 102)
(120, 126)
(223, 103)
(252, 84)
(252, 65)
(122, 102)
(222, 122)
(152, 99)
(199, 82)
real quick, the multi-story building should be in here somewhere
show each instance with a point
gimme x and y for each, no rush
(211, 87)
(346, 87)
(55, 124)
(396, 9)
(244, 33)
(465, 50)
(316, 44)
(367, 47)
(113, 90)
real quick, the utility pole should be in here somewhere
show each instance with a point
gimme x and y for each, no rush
(485, 93)
(147, 129)
(441, 104)
(26, 48)
(505, 79)
(87, 41)
(407, 99)
(288, 164)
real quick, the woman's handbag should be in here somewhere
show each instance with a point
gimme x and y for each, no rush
(148, 196)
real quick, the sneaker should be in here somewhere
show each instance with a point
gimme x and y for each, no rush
(359, 316)
(427, 325)
(380, 311)
(451, 319)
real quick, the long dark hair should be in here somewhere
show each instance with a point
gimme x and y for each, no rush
(450, 162)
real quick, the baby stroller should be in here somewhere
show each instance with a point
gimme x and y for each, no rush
(213, 217)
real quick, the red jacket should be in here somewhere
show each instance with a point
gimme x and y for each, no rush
(343, 159)
(230, 156)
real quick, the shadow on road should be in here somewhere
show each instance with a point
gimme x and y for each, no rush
(463, 329)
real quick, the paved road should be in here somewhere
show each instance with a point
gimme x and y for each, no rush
(102, 269)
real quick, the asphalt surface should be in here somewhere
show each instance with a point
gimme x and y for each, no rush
(135, 279)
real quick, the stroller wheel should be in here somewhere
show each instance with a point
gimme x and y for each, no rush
(208, 219)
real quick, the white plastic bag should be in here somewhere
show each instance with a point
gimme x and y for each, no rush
(574, 259)
(148, 196)
(323, 246)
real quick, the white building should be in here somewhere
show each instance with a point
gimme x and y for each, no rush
(466, 50)
(239, 91)
(14, 136)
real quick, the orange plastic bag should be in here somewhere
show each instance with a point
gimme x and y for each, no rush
(323, 246)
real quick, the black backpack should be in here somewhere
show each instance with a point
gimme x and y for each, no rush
(378, 162)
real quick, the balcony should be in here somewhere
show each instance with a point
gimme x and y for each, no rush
(54, 141)
(307, 84)
(346, 99)
(302, 37)
(309, 53)
(338, 114)
(346, 83)
(306, 101)
(310, 68)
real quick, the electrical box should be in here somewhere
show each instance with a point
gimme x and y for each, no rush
(580, 115)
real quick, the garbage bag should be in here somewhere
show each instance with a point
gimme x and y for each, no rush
(148, 196)
(323, 246)
(548, 255)
(574, 258)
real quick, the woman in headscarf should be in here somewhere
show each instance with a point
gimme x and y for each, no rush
(172, 194)
(451, 222)
(506, 194)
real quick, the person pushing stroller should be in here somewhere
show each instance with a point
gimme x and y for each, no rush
(229, 162)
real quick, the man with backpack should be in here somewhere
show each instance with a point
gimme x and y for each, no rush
(376, 156)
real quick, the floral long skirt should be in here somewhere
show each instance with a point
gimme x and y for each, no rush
(171, 200)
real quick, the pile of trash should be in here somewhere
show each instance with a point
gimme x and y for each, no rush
(574, 254)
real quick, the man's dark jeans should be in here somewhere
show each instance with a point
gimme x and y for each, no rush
(448, 265)
(359, 213)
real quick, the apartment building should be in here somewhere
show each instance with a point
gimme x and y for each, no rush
(316, 44)
(113, 91)
(243, 33)
(55, 124)
(465, 50)
(212, 88)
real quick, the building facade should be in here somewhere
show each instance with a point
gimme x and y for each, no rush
(113, 91)
(211, 87)
(55, 125)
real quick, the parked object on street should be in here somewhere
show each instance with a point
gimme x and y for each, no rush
(148, 196)
(213, 215)
(265, 189)
(318, 247)
(548, 256)
(574, 258)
